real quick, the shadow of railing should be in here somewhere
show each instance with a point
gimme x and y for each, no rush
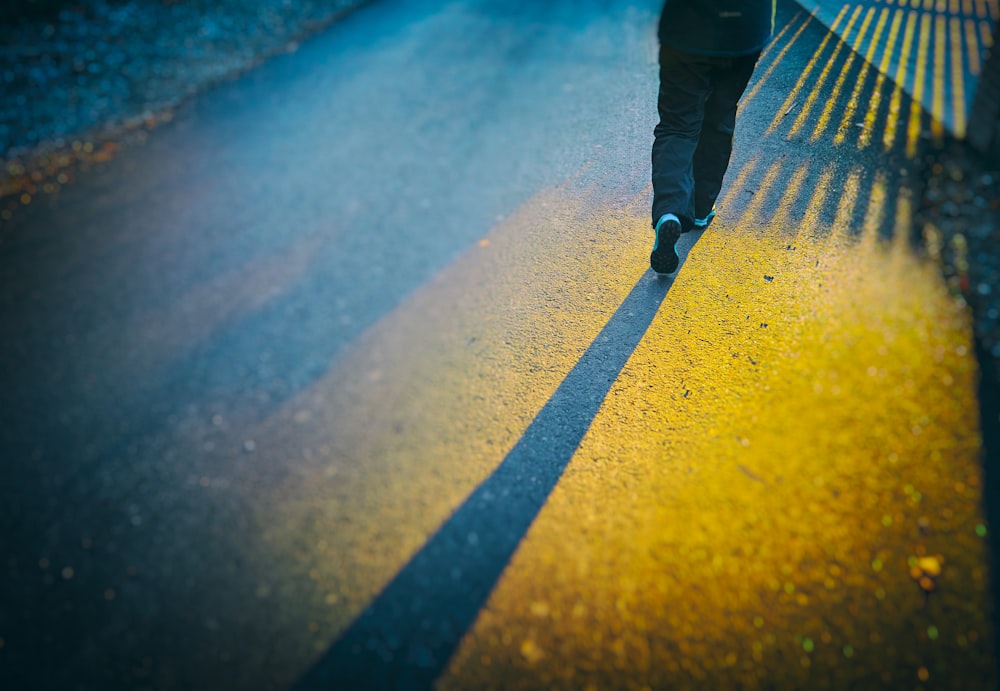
(406, 636)
(837, 149)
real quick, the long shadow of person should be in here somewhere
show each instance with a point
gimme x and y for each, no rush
(406, 636)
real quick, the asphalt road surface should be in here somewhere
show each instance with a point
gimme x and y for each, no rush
(933, 48)
(355, 375)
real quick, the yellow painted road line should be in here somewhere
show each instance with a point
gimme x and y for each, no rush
(789, 103)
(958, 77)
(744, 510)
(871, 114)
(967, 8)
(972, 48)
(777, 61)
(981, 11)
(937, 79)
(834, 97)
(986, 34)
(895, 102)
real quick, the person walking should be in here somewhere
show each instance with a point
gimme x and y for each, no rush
(708, 51)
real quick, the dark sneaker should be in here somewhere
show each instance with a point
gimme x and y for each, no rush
(663, 259)
(702, 223)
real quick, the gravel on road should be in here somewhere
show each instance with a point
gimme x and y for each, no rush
(78, 84)
(959, 219)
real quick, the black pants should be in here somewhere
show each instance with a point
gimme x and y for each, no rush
(692, 143)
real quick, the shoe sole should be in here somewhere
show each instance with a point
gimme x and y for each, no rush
(663, 259)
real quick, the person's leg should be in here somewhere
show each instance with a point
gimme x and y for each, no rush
(684, 86)
(729, 79)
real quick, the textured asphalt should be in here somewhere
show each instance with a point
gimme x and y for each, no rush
(941, 68)
(297, 358)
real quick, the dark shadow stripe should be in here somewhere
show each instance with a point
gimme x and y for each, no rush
(405, 638)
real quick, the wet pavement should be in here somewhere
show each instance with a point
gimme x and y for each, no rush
(373, 329)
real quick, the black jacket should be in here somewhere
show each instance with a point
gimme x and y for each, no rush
(721, 28)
